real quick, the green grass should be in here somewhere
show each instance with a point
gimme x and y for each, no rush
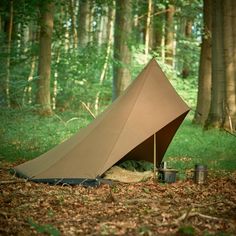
(25, 135)
(192, 145)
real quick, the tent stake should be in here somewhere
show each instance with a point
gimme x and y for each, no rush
(154, 157)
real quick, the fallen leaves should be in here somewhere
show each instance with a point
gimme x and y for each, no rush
(146, 208)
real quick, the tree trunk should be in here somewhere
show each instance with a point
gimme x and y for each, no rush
(158, 32)
(216, 115)
(148, 28)
(234, 43)
(103, 26)
(44, 67)
(230, 67)
(84, 23)
(204, 78)
(169, 34)
(73, 23)
(234, 39)
(110, 26)
(188, 35)
(8, 52)
(122, 52)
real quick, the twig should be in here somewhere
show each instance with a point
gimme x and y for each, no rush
(12, 181)
(88, 109)
(207, 204)
(189, 214)
(205, 216)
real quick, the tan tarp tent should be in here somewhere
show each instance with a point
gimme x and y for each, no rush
(123, 131)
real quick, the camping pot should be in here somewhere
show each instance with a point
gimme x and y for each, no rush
(200, 174)
(167, 175)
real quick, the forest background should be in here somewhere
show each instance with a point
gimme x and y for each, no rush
(63, 62)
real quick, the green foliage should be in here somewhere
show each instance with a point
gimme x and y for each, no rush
(193, 145)
(144, 230)
(25, 135)
(79, 79)
(186, 231)
(44, 229)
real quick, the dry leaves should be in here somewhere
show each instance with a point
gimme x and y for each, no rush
(146, 208)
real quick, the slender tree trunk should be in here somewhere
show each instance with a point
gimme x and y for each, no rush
(84, 23)
(55, 82)
(122, 52)
(73, 23)
(110, 26)
(8, 60)
(204, 78)
(216, 115)
(44, 68)
(158, 33)
(64, 12)
(28, 89)
(103, 29)
(188, 35)
(230, 67)
(148, 28)
(169, 34)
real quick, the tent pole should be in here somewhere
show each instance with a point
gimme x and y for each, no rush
(154, 157)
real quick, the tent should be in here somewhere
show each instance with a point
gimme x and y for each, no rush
(149, 107)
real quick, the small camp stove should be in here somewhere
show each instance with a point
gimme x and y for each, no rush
(166, 175)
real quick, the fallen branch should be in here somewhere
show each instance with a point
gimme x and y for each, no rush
(189, 214)
(88, 109)
(12, 181)
(208, 204)
(205, 216)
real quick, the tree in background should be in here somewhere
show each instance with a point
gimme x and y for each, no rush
(204, 76)
(7, 28)
(122, 51)
(169, 33)
(44, 66)
(229, 19)
(84, 22)
(222, 112)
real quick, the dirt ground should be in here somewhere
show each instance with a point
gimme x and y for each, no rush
(144, 208)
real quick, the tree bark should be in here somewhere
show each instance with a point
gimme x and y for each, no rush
(44, 67)
(204, 78)
(188, 35)
(158, 33)
(73, 23)
(148, 28)
(110, 26)
(84, 23)
(216, 115)
(8, 54)
(169, 34)
(122, 52)
(230, 116)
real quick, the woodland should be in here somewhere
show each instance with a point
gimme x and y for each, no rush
(64, 62)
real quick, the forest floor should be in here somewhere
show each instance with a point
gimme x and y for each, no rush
(144, 208)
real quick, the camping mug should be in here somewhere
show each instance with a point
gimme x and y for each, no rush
(200, 174)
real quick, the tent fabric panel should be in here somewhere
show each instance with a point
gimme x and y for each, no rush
(58, 161)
